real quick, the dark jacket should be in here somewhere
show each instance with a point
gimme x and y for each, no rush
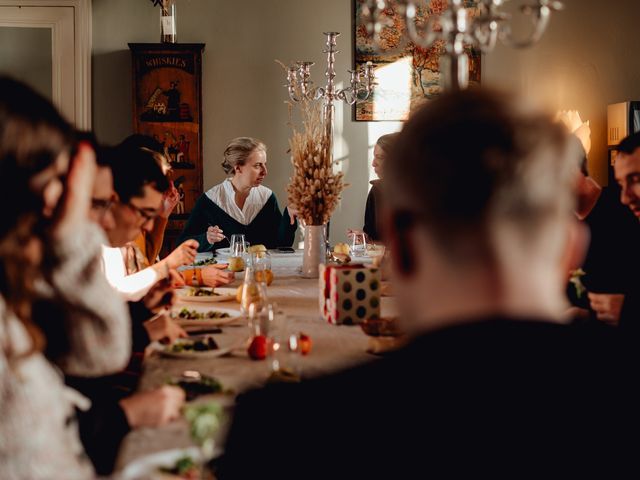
(497, 398)
(372, 212)
(270, 227)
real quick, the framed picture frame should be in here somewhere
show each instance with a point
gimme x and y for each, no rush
(406, 74)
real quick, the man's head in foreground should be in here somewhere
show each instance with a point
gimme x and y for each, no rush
(479, 221)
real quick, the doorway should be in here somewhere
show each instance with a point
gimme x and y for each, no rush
(47, 44)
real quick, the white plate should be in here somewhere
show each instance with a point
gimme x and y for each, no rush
(225, 294)
(165, 351)
(206, 322)
(223, 252)
(147, 467)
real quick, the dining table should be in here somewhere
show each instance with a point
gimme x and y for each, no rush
(334, 347)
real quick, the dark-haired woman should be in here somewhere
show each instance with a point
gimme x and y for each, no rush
(241, 204)
(54, 300)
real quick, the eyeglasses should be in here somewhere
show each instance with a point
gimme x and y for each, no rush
(102, 204)
(144, 214)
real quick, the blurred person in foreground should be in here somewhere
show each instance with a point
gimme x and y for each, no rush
(114, 409)
(492, 383)
(54, 300)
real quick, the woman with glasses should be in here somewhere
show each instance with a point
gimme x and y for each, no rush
(55, 305)
(241, 204)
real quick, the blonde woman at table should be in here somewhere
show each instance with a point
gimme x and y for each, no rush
(53, 296)
(241, 204)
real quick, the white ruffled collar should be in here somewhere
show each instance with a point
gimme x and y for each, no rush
(223, 195)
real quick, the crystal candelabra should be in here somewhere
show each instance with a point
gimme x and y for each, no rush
(457, 28)
(300, 87)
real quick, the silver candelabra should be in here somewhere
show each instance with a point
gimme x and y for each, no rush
(457, 29)
(300, 87)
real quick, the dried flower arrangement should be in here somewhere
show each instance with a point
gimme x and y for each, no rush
(314, 188)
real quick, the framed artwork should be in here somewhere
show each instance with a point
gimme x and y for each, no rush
(167, 105)
(407, 75)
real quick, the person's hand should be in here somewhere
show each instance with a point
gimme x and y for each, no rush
(576, 313)
(607, 306)
(163, 329)
(214, 235)
(184, 254)
(216, 275)
(352, 231)
(161, 295)
(293, 214)
(76, 201)
(170, 199)
(176, 279)
(153, 408)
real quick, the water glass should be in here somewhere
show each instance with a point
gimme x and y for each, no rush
(264, 319)
(238, 245)
(358, 244)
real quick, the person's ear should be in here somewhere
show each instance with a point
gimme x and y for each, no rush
(577, 244)
(400, 226)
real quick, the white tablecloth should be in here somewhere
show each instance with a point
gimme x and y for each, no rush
(334, 348)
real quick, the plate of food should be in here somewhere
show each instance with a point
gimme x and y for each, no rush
(203, 346)
(180, 463)
(205, 294)
(195, 386)
(201, 317)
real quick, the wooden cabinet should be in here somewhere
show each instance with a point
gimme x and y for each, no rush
(167, 105)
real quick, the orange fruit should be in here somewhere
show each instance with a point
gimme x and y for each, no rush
(264, 276)
(305, 343)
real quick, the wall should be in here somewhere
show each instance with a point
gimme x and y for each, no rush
(586, 60)
(242, 84)
(582, 63)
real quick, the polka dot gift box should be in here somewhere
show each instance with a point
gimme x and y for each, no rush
(349, 294)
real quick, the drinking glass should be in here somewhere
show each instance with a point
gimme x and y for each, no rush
(252, 292)
(285, 353)
(238, 247)
(358, 244)
(263, 319)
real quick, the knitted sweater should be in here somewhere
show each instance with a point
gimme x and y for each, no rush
(265, 225)
(88, 333)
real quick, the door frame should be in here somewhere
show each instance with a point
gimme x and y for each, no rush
(82, 51)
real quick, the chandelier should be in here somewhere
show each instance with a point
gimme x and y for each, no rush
(457, 28)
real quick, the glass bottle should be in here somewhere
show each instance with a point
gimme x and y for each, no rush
(253, 292)
(168, 21)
